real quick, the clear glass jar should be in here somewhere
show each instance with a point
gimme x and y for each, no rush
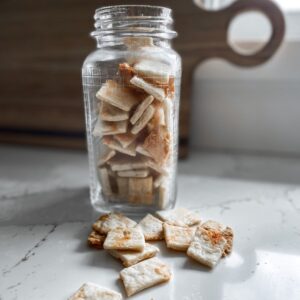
(131, 87)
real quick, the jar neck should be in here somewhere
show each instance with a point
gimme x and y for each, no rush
(150, 24)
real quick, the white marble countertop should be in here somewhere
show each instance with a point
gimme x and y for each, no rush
(45, 217)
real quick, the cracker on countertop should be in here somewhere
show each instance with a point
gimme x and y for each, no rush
(111, 221)
(227, 233)
(177, 237)
(130, 258)
(92, 291)
(207, 246)
(117, 95)
(111, 113)
(157, 92)
(179, 217)
(145, 274)
(125, 239)
(96, 240)
(152, 228)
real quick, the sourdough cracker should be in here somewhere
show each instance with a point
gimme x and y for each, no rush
(92, 291)
(112, 128)
(179, 217)
(120, 164)
(96, 240)
(141, 190)
(125, 139)
(153, 70)
(141, 150)
(130, 258)
(158, 181)
(226, 231)
(111, 221)
(137, 42)
(143, 120)
(115, 145)
(126, 72)
(163, 197)
(124, 239)
(97, 131)
(207, 246)
(157, 92)
(145, 274)
(105, 183)
(117, 95)
(177, 237)
(122, 186)
(140, 109)
(111, 113)
(134, 173)
(158, 145)
(152, 228)
(105, 157)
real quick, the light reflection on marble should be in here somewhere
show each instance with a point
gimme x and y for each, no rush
(45, 217)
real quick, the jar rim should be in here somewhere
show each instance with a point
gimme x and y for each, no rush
(149, 20)
(112, 8)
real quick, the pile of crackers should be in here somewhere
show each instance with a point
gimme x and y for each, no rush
(181, 229)
(135, 127)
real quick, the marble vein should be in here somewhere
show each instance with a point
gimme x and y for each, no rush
(30, 252)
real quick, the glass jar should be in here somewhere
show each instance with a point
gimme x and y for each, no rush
(131, 86)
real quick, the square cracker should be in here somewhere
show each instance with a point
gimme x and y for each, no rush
(92, 291)
(115, 145)
(111, 221)
(111, 113)
(207, 246)
(152, 228)
(141, 190)
(227, 233)
(157, 92)
(179, 217)
(110, 128)
(130, 258)
(153, 70)
(140, 109)
(125, 239)
(106, 156)
(145, 274)
(142, 173)
(121, 164)
(143, 120)
(105, 182)
(96, 240)
(158, 144)
(125, 139)
(177, 237)
(115, 94)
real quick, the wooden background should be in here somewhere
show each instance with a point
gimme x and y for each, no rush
(43, 45)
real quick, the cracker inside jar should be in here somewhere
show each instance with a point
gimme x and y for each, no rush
(138, 163)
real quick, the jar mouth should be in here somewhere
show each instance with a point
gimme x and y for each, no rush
(139, 20)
